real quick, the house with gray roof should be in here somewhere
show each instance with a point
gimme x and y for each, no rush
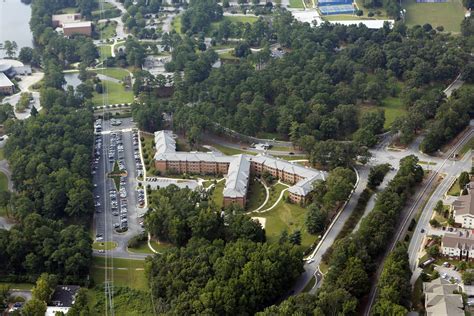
(440, 299)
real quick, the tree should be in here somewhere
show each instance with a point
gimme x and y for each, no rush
(468, 277)
(26, 55)
(377, 174)
(44, 287)
(316, 219)
(439, 208)
(10, 48)
(433, 251)
(464, 179)
(295, 237)
(34, 307)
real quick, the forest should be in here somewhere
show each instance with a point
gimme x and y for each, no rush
(321, 88)
(49, 156)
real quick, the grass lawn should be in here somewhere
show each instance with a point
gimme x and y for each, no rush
(455, 189)
(233, 19)
(160, 246)
(105, 51)
(393, 108)
(464, 149)
(67, 10)
(106, 30)
(3, 182)
(275, 191)
(107, 245)
(230, 151)
(310, 285)
(218, 193)
(18, 286)
(228, 55)
(126, 272)
(256, 195)
(116, 73)
(148, 153)
(448, 14)
(2, 154)
(117, 94)
(176, 24)
(297, 4)
(286, 216)
(142, 248)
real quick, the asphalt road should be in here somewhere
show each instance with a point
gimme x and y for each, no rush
(444, 166)
(104, 221)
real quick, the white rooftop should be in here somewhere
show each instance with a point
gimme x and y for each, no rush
(237, 177)
(164, 142)
(4, 81)
(371, 24)
(77, 24)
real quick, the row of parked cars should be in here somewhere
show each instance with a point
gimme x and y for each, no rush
(136, 152)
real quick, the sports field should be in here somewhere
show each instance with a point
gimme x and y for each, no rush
(448, 14)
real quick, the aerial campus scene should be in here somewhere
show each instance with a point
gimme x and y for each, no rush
(236, 157)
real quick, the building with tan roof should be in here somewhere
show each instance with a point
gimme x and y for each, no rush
(58, 20)
(456, 246)
(440, 299)
(463, 208)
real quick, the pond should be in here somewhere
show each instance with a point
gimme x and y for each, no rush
(15, 24)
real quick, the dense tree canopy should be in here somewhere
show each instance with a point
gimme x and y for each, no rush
(237, 278)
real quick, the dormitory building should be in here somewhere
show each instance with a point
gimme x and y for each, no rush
(237, 169)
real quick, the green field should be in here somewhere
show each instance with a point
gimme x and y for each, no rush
(467, 146)
(256, 195)
(18, 286)
(105, 51)
(176, 24)
(449, 14)
(218, 193)
(116, 73)
(232, 19)
(3, 182)
(230, 151)
(125, 273)
(107, 245)
(393, 108)
(117, 94)
(2, 154)
(143, 248)
(286, 216)
(297, 4)
(106, 30)
(455, 189)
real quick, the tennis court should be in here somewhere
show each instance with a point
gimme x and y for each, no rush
(337, 9)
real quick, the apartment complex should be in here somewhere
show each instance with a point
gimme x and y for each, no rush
(440, 299)
(237, 168)
(458, 246)
(463, 208)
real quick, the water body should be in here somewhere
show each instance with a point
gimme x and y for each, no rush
(15, 24)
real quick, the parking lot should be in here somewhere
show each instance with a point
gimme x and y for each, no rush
(119, 209)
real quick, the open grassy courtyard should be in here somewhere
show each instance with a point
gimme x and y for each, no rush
(448, 14)
(289, 217)
(296, 4)
(116, 73)
(116, 94)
